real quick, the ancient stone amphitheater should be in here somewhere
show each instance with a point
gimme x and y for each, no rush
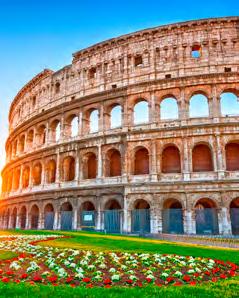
(140, 134)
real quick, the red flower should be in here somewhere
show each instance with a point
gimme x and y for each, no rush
(17, 281)
(37, 278)
(139, 284)
(159, 285)
(10, 272)
(148, 279)
(232, 273)
(52, 279)
(24, 275)
(186, 278)
(193, 283)
(107, 286)
(129, 281)
(169, 279)
(73, 285)
(5, 279)
(177, 283)
(86, 279)
(223, 276)
(107, 281)
(69, 280)
(214, 279)
(207, 272)
(89, 286)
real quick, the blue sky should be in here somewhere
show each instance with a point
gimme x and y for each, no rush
(43, 34)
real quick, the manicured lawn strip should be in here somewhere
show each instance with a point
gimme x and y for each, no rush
(225, 289)
(5, 255)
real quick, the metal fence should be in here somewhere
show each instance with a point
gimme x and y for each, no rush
(112, 220)
(140, 221)
(234, 212)
(49, 220)
(172, 221)
(66, 220)
(206, 221)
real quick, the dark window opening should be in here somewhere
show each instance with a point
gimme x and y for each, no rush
(92, 73)
(57, 87)
(227, 69)
(138, 60)
(196, 51)
(168, 76)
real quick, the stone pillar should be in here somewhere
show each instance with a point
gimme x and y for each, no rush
(59, 220)
(80, 123)
(58, 167)
(153, 173)
(224, 221)
(27, 226)
(74, 223)
(101, 118)
(99, 171)
(41, 221)
(20, 178)
(18, 221)
(56, 220)
(186, 160)
(99, 218)
(47, 134)
(77, 168)
(126, 216)
(189, 223)
(219, 158)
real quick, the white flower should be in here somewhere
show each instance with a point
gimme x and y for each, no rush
(115, 277)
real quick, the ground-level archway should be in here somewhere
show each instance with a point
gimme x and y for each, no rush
(49, 217)
(23, 217)
(140, 217)
(14, 218)
(234, 213)
(66, 216)
(172, 216)
(206, 217)
(87, 216)
(34, 216)
(112, 217)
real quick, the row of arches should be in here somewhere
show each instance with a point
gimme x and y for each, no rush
(92, 122)
(173, 218)
(171, 162)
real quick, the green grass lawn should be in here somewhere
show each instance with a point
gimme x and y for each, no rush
(101, 242)
(5, 255)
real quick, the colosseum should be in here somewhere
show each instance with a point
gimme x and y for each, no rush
(140, 134)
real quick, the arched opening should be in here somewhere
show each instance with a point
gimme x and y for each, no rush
(202, 158)
(68, 168)
(51, 171)
(234, 214)
(90, 166)
(198, 106)
(14, 218)
(113, 163)
(25, 177)
(140, 217)
(116, 117)
(169, 109)
(172, 217)
(66, 216)
(34, 216)
(232, 156)
(141, 161)
(30, 138)
(9, 181)
(171, 160)
(141, 112)
(74, 126)
(206, 217)
(94, 121)
(112, 217)
(87, 215)
(23, 217)
(229, 104)
(49, 217)
(55, 129)
(16, 178)
(22, 144)
(41, 132)
(37, 174)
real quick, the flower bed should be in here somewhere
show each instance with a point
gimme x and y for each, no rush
(48, 265)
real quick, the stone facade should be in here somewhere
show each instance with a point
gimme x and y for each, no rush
(65, 157)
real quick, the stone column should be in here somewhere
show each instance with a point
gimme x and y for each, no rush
(58, 168)
(224, 221)
(153, 173)
(20, 178)
(74, 223)
(80, 123)
(56, 220)
(219, 157)
(18, 221)
(186, 160)
(41, 221)
(189, 223)
(99, 217)
(99, 172)
(77, 168)
(101, 118)
(126, 216)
